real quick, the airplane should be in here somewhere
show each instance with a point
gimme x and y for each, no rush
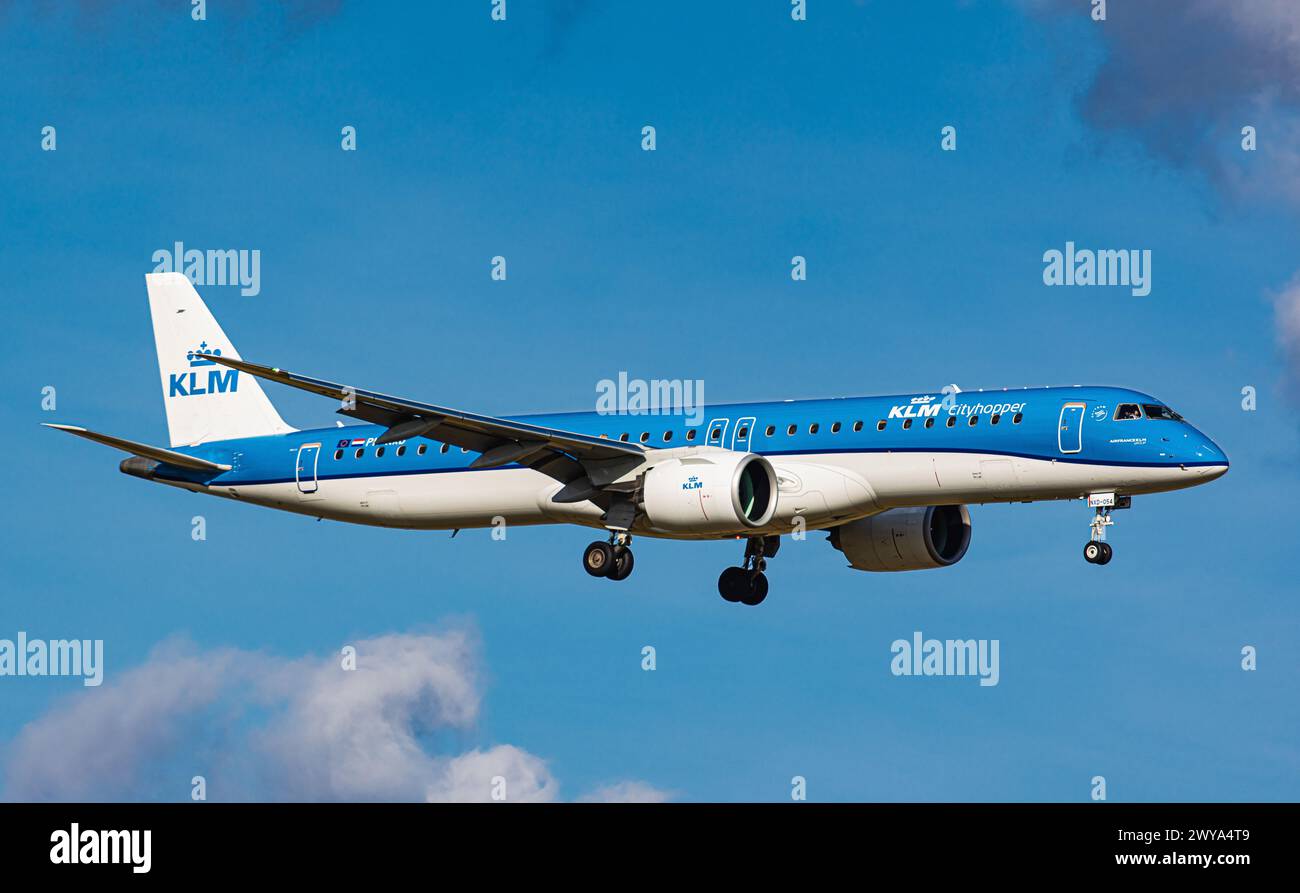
(888, 478)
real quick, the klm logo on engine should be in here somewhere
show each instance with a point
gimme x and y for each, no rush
(213, 380)
(918, 408)
(693, 483)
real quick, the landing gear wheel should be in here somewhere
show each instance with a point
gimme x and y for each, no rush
(1093, 552)
(1106, 553)
(598, 560)
(757, 590)
(623, 562)
(733, 584)
(746, 583)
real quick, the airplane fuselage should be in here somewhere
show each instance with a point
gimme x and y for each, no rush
(836, 459)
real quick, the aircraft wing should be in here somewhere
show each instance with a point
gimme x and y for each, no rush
(571, 458)
(171, 457)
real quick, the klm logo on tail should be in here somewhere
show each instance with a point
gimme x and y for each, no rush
(192, 384)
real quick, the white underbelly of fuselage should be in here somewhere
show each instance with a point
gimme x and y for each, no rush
(521, 496)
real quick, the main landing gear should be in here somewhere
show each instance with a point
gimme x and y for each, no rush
(747, 584)
(1098, 551)
(612, 559)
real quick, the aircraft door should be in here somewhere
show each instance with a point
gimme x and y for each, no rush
(308, 457)
(1069, 435)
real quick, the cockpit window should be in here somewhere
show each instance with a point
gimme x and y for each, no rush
(1156, 411)
(1127, 411)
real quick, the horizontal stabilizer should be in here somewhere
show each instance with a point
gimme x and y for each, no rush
(171, 457)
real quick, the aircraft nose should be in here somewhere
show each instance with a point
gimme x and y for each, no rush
(1215, 459)
(1211, 472)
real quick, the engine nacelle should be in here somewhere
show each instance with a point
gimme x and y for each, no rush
(718, 491)
(909, 539)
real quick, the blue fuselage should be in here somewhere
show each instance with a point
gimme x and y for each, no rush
(1070, 425)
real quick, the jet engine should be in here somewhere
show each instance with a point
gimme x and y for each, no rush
(720, 491)
(907, 539)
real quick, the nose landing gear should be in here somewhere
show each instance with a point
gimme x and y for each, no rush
(747, 584)
(1097, 550)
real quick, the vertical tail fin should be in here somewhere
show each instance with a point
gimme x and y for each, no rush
(204, 401)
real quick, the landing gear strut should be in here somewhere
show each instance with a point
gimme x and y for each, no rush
(612, 559)
(1098, 551)
(747, 584)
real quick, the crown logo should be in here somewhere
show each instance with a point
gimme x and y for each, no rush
(197, 356)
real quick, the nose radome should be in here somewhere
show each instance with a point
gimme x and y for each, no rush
(1206, 450)
(1215, 456)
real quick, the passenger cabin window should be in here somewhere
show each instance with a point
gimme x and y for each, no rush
(668, 435)
(974, 420)
(929, 423)
(907, 423)
(835, 428)
(1156, 411)
(623, 437)
(952, 420)
(645, 436)
(690, 435)
(1126, 411)
(1015, 419)
(813, 428)
(743, 432)
(792, 429)
(997, 417)
(715, 434)
(771, 429)
(857, 426)
(422, 449)
(338, 454)
(401, 451)
(880, 425)
(379, 453)
(360, 453)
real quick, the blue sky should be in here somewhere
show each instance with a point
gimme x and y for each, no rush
(775, 138)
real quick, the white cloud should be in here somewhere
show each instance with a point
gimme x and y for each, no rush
(98, 747)
(1184, 76)
(266, 728)
(472, 778)
(628, 792)
(1286, 310)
